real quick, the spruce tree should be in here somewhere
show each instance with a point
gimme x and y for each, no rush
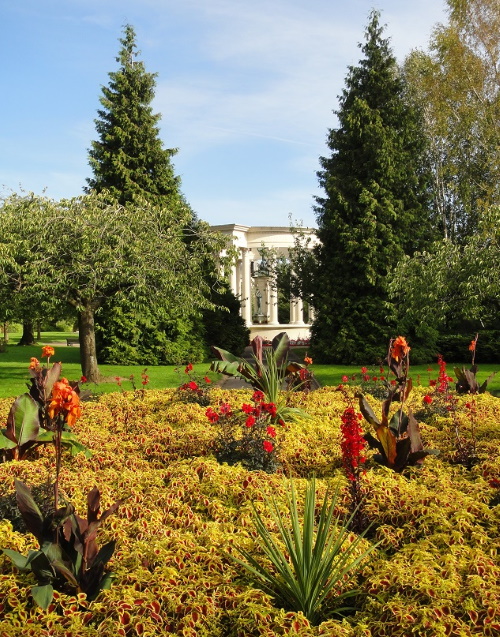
(128, 159)
(375, 208)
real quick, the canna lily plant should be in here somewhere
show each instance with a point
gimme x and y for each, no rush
(68, 557)
(467, 382)
(45, 414)
(398, 440)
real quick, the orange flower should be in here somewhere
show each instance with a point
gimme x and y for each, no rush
(400, 348)
(308, 361)
(64, 400)
(47, 351)
(34, 363)
(472, 346)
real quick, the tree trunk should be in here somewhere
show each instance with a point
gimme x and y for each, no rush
(38, 330)
(28, 338)
(88, 353)
(6, 332)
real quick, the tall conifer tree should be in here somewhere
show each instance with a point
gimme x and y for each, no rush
(128, 159)
(375, 208)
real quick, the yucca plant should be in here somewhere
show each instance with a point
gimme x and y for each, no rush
(318, 558)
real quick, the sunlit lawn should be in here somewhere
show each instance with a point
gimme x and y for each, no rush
(14, 369)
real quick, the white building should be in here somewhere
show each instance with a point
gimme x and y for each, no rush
(254, 288)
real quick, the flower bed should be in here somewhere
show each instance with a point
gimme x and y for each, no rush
(435, 572)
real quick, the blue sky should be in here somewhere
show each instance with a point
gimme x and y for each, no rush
(246, 91)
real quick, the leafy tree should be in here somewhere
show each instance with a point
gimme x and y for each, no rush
(375, 208)
(19, 242)
(128, 160)
(86, 250)
(457, 85)
(453, 282)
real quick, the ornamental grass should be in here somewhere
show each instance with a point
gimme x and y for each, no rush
(184, 517)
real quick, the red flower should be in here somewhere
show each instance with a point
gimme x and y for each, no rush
(258, 396)
(83, 379)
(250, 421)
(374, 378)
(247, 409)
(189, 368)
(268, 446)
(393, 382)
(432, 383)
(345, 379)
(364, 370)
(225, 408)
(381, 370)
(352, 444)
(207, 379)
(271, 432)
(270, 408)
(427, 399)
(212, 415)
(366, 377)
(193, 386)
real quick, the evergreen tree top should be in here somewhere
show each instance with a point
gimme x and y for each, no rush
(128, 159)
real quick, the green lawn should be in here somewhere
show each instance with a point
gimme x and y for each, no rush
(14, 369)
(15, 360)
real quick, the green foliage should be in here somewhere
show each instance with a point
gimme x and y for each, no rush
(375, 207)
(318, 558)
(125, 336)
(224, 324)
(128, 159)
(451, 283)
(68, 555)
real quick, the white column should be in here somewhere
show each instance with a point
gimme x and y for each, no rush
(233, 280)
(273, 306)
(296, 311)
(246, 301)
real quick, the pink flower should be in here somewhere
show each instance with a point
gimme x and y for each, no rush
(345, 379)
